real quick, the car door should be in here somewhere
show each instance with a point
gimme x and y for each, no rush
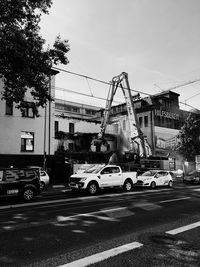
(107, 177)
(12, 181)
(116, 176)
(159, 178)
(166, 178)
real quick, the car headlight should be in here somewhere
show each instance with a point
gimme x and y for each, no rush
(83, 179)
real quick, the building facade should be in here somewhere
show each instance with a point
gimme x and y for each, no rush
(74, 125)
(159, 117)
(25, 138)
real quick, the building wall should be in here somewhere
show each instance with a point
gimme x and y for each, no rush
(74, 118)
(13, 125)
(82, 126)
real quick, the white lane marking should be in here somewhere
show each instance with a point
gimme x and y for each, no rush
(66, 218)
(175, 199)
(103, 255)
(183, 228)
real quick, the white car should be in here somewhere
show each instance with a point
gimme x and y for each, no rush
(154, 178)
(44, 179)
(103, 176)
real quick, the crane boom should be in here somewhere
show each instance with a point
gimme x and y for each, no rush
(137, 141)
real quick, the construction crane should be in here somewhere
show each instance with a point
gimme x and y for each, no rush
(138, 143)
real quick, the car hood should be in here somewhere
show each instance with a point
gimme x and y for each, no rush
(81, 175)
(144, 178)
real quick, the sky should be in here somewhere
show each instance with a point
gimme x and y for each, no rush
(157, 42)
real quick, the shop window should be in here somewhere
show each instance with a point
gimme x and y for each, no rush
(145, 121)
(9, 108)
(27, 141)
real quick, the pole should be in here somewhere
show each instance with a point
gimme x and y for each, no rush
(45, 126)
(49, 116)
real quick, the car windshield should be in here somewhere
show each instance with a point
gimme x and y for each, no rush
(94, 169)
(149, 173)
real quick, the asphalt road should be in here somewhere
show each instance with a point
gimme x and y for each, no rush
(60, 227)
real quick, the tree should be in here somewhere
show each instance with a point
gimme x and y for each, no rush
(24, 63)
(189, 138)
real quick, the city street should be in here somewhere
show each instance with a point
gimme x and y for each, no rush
(60, 227)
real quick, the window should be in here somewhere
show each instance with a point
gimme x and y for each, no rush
(9, 108)
(116, 128)
(115, 170)
(1, 175)
(71, 128)
(124, 125)
(13, 175)
(56, 126)
(27, 110)
(106, 170)
(140, 121)
(59, 106)
(90, 112)
(145, 121)
(27, 141)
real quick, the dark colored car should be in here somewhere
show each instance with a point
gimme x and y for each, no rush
(23, 182)
(192, 177)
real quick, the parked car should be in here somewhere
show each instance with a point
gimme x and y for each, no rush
(84, 167)
(192, 177)
(102, 176)
(23, 182)
(178, 175)
(154, 178)
(44, 177)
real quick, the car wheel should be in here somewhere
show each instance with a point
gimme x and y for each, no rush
(170, 184)
(92, 188)
(42, 186)
(153, 185)
(128, 186)
(28, 194)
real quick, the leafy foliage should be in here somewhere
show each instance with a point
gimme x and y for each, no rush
(24, 63)
(189, 138)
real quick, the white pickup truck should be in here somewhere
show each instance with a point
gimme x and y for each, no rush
(102, 176)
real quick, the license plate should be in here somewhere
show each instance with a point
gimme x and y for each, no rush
(12, 192)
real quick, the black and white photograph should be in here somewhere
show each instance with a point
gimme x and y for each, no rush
(99, 133)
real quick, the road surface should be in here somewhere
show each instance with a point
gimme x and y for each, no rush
(140, 228)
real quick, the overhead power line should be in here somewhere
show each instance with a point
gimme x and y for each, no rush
(109, 83)
(78, 93)
(96, 80)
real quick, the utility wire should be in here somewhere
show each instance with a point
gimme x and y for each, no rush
(109, 83)
(83, 94)
(96, 80)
